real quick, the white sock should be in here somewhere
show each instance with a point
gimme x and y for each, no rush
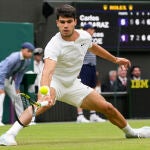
(128, 130)
(33, 119)
(14, 130)
(80, 113)
(92, 112)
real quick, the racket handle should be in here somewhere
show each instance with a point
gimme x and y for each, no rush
(44, 103)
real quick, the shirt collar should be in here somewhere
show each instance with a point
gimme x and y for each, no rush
(122, 79)
(134, 78)
(21, 56)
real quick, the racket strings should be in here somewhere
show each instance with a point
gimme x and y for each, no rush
(25, 102)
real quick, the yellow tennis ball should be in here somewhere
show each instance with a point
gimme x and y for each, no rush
(44, 90)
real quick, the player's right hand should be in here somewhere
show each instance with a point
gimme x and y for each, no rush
(49, 99)
(46, 98)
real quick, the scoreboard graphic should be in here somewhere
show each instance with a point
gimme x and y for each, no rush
(119, 26)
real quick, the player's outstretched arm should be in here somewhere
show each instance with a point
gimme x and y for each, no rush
(101, 52)
(48, 70)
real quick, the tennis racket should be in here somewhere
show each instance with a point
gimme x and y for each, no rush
(25, 100)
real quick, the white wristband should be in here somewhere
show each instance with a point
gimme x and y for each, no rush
(44, 103)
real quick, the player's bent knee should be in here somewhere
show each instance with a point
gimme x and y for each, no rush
(109, 109)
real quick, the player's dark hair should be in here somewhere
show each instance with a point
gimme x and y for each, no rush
(66, 11)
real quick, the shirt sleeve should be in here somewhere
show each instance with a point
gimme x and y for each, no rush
(3, 72)
(5, 67)
(90, 40)
(52, 50)
(87, 37)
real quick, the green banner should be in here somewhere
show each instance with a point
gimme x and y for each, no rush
(13, 34)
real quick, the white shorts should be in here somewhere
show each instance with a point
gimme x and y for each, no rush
(72, 95)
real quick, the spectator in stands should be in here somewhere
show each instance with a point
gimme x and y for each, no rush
(135, 73)
(88, 77)
(38, 67)
(110, 85)
(121, 79)
(12, 69)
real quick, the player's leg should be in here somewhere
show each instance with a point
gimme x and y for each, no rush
(9, 137)
(94, 117)
(2, 97)
(96, 102)
(16, 100)
(80, 116)
(85, 78)
(85, 97)
(88, 77)
(26, 116)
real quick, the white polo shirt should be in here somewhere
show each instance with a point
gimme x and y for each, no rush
(69, 56)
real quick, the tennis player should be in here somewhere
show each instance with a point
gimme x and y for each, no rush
(64, 55)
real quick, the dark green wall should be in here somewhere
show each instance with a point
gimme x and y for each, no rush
(12, 36)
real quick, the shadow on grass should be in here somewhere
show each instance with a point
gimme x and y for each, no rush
(73, 141)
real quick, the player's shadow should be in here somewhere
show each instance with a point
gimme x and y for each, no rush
(79, 141)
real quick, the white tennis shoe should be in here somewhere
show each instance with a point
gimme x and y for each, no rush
(96, 118)
(143, 132)
(2, 124)
(82, 119)
(8, 140)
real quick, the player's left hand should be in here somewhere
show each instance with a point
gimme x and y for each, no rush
(123, 62)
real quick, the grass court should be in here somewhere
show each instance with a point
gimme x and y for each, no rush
(75, 136)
